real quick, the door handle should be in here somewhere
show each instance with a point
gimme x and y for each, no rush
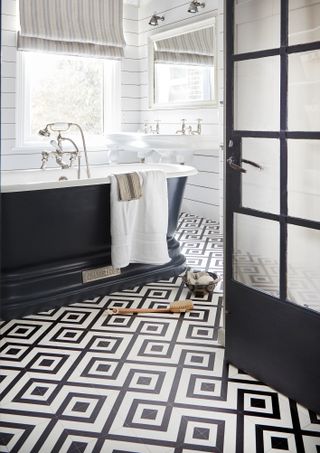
(234, 166)
(250, 162)
(238, 168)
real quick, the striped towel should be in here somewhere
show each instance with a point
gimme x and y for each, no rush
(129, 186)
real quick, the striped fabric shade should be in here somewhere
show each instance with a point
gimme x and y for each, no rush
(190, 48)
(74, 27)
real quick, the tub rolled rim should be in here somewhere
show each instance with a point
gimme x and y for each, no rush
(29, 184)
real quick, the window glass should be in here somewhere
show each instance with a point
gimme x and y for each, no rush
(62, 88)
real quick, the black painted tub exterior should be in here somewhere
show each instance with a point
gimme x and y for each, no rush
(50, 236)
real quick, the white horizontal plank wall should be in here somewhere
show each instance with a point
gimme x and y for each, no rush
(8, 79)
(12, 159)
(203, 192)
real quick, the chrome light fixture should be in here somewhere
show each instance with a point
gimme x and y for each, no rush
(194, 5)
(155, 19)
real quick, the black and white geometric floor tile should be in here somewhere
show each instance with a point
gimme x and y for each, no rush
(75, 380)
(262, 274)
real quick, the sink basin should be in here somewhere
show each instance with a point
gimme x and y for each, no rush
(136, 140)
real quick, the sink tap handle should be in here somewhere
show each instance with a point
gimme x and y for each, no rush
(199, 128)
(183, 127)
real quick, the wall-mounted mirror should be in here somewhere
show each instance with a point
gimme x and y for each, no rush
(183, 65)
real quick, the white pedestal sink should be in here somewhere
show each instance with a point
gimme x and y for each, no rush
(136, 141)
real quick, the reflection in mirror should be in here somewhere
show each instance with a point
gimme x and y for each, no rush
(183, 67)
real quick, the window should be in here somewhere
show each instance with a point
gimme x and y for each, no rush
(61, 88)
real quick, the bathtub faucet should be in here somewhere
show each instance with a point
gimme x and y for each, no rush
(59, 153)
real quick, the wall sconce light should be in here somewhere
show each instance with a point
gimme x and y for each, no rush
(194, 5)
(155, 19)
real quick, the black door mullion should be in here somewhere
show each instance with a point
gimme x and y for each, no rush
(276, 217)
(312, 135)
(231, 181)
(283, 148)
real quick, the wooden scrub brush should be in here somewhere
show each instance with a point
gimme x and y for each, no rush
(178, 306)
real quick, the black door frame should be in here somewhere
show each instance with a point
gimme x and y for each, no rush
(271, 338)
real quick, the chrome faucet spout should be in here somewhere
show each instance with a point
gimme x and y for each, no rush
(183, 130)
(157, 128)
(198, 131)
(61, 162)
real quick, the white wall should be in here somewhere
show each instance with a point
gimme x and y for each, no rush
(203, 195)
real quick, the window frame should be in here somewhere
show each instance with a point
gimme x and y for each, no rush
(111, 105)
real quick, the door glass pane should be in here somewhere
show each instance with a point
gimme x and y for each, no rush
(261, 188)
(257, 94)
(258, 18)
(304, 179)
(256, 253)
(304, 21)
(304, 91)
(304, 266)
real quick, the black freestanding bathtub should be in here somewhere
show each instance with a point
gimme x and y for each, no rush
(54, 232)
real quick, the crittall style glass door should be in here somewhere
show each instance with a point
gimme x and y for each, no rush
(273, 193)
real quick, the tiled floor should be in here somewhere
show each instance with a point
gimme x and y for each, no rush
(263, 274)
(76, 380)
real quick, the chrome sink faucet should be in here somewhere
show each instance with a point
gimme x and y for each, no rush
(152, 130)
(183, 130)
(198, 130)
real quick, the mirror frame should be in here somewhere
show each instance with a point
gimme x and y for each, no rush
(198, 25)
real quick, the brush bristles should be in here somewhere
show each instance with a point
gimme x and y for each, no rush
(180, 306)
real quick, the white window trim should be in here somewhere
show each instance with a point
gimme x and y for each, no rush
(111, 116)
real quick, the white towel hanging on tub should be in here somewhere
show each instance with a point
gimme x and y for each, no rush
(139, 227)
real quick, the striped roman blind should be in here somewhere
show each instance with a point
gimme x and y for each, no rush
(74, 27)
(195, 48)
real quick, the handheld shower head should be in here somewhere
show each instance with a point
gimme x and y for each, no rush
(55, 144)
